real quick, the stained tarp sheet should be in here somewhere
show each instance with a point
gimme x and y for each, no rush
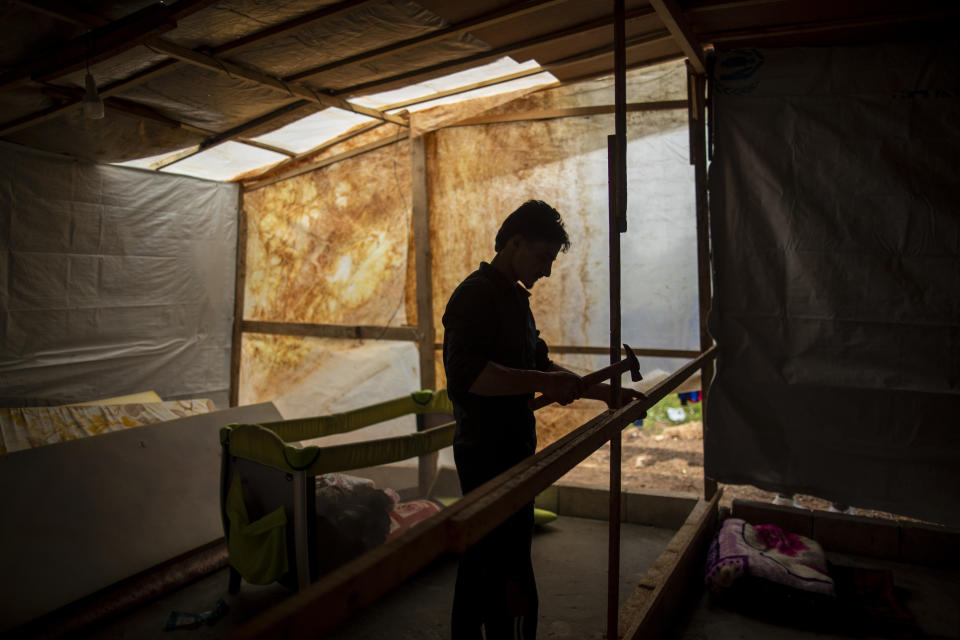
(837, 257)
(479, 174)
(112, 281)
(335, 245)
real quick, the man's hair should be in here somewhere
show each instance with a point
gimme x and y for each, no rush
(536, 221)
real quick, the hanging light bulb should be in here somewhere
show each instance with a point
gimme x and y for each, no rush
(92, 102)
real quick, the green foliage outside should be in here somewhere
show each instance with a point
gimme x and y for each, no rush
(657, 417)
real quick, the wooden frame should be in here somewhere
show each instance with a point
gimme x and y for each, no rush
(330, 601)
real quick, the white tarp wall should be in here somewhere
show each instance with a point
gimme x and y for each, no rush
(836, 236)
(112, 281)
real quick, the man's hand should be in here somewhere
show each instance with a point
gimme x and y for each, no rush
(627, 395)
(562, 387)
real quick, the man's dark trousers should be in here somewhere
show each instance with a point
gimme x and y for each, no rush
(495, 586)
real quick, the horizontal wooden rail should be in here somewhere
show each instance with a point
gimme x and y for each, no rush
(331, 600)
(605, 351)
(571, 112)
(330, 330)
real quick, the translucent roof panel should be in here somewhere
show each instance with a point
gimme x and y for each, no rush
(308, 132)
(225, 161)
(502, 67)
(152, 162)
(527, 82)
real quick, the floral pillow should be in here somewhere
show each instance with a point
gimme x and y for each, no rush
(741, 551)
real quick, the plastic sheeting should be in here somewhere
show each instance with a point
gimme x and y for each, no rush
(479, 174)
(837, 257)
(112, 280)
(331, 246)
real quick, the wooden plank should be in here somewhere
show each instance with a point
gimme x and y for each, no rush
(219, 65)
(340, 157)
(617, 203)
(330, 330)
(239, 297)
(571, 112)
(640, 40)
(328, 602)
(673, 19)
(104, 42)
(650, 608)
(420, 188)
(506, 493)
(491, 18)
(324, 13)
(653, 353)
(390, 107)
(697, 123)
(473, 60)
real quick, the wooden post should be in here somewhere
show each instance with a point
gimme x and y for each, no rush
(427, 464)
(698, 156)
(236, 342)
(617, 167)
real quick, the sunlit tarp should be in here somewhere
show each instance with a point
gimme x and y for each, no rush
(331, 246)
(112, 280)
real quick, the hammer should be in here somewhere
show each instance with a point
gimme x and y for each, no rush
(630, 363)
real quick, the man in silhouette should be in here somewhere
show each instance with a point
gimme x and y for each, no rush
(495, 361)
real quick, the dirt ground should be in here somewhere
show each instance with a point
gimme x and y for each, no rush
(671, 460)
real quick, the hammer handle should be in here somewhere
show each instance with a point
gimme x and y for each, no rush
(588, 380)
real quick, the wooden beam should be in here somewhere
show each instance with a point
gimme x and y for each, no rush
(236, 133)
(325, 13)
(328, 602)
(641, 40)
(104, 42)
(491, 18)
(649, 609)
(219, 65)
(617, 169)
(390, 107)
(696, 85)
(503, 495)
(68, 13)
(672, 17)
(313, 166)
(464, 89)
(653, 353)
(478, 58)
(420, 188)
(780, 31)
(239, 298)
(571, 112)
(345, 332)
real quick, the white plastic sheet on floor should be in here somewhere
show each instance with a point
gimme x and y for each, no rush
(112, 281)
(837, 254)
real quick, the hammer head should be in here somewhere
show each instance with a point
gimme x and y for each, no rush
(633, 364)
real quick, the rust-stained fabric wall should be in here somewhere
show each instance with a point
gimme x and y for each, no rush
(329, 247)
(334, 246)
(479, 174)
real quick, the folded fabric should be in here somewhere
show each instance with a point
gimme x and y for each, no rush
(766, 552)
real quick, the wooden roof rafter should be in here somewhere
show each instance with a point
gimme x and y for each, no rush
(672, 17)
(183, 55)
(491, 18)
(103, 42)
(822, 26)
(473, 60)
(272, 172)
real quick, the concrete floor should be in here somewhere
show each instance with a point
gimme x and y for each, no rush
(570, 560)
(931, 595)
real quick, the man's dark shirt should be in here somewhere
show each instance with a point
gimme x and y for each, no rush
(488, 318)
